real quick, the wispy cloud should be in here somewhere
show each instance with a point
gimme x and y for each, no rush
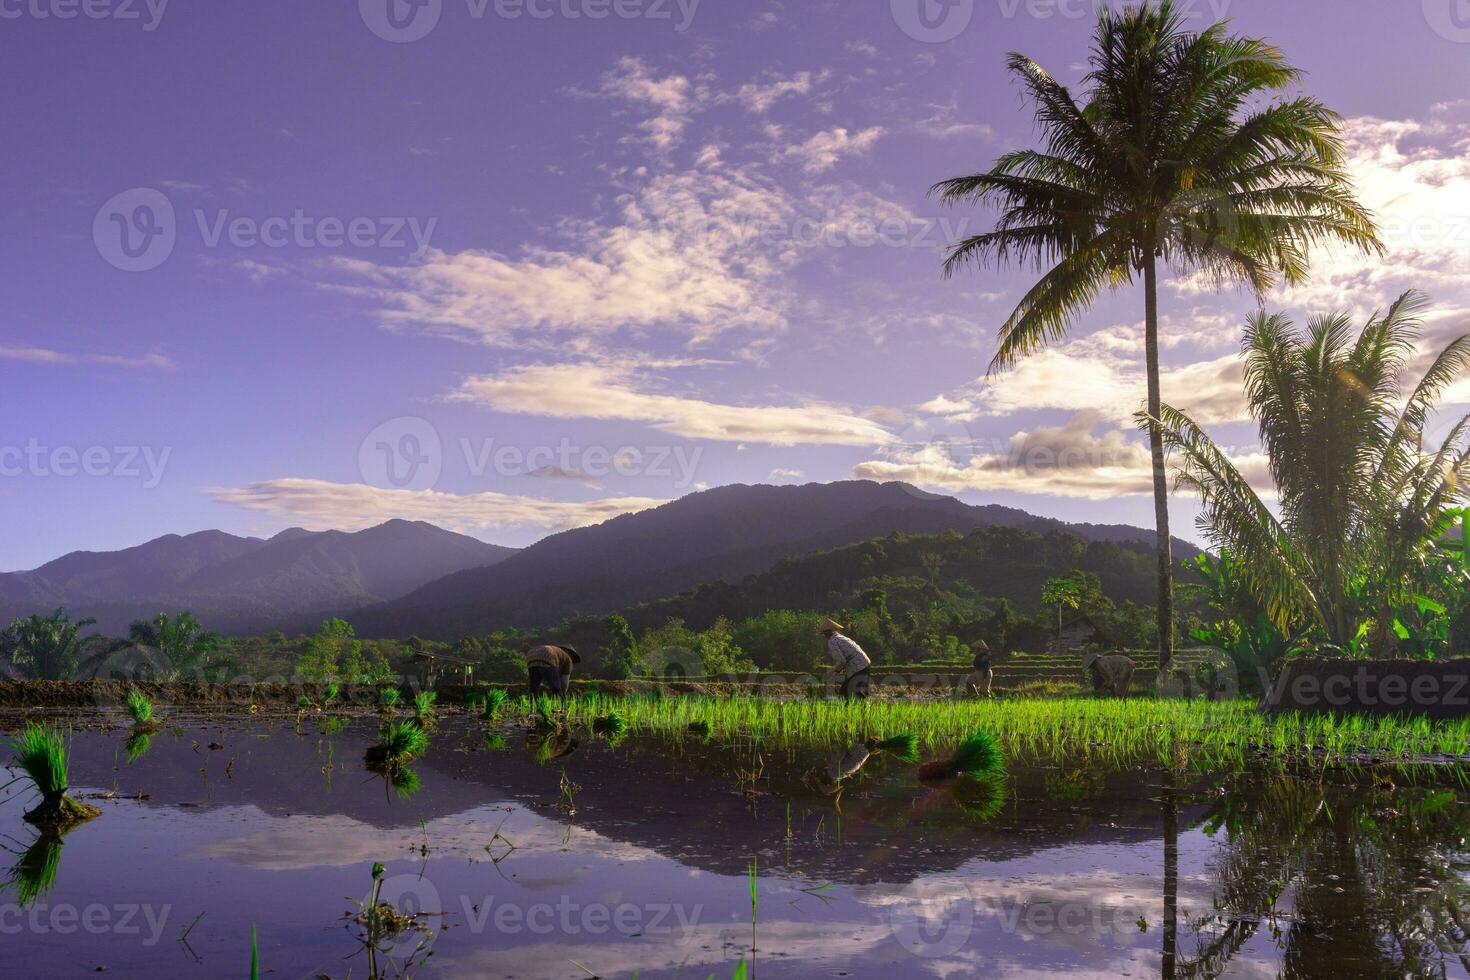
(41, 355)
(600, 391)
(822, 150)
(354, 506)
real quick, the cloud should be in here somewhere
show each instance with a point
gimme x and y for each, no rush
(613, 392)
(822, 151)
(1104, 373)
(674, 97)
(780, 475)
(1068, 460)
(41, 355)
(758, 97)
(944, 124)
(354, 506)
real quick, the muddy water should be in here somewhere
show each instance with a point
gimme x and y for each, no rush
(606, 861)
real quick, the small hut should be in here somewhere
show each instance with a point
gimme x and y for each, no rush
(431, 665)
(1080, 633)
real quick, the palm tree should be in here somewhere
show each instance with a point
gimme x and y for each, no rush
(182, 640)
(1184, 152)
(1363, 502)
(44, 646)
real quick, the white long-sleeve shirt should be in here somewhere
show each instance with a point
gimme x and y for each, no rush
(847, 657)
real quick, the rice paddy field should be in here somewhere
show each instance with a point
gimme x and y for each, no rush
(667, 836)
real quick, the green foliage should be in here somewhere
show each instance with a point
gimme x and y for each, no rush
(331, 693)
(495, 659)
(1364, 503)
(423, 705)
(44, 647)
(139, 707)
(611, 726)
(335, 654)
(185, 644)
(388, 698)
(620, 653)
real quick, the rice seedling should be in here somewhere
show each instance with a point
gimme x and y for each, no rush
(904, 746)
(303, 702)
(423, 706)
(977, 756)
(140, 707)
(699, 728)
(331, 693)
(388, 698)
(138, 745)
(611, 726)
(33, 876)
(982, 798)
(400, 743)
(496, 743)
(493, 704)
(42, 755)
(254, 954)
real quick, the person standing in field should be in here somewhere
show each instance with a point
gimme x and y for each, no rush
(849, 663)
(550, 667)
(981, 673)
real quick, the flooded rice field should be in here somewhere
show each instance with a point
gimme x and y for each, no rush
(502, 852)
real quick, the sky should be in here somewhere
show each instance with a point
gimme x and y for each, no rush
(516, 266)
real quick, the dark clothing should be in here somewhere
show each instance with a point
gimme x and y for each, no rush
(551, 656)
(856, 686)
(982, 662)
(540, 675)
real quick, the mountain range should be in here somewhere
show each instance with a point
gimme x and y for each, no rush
(243, 584)
(403, 577)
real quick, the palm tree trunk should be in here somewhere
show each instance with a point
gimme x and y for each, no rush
(1161, 478)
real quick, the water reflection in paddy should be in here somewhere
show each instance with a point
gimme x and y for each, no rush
(609, 860)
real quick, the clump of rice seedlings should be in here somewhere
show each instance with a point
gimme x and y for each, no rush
(982, 798)
(34, 875)
(977, 756)
(388, 698)
(904, 746)
(331, 693)
(423, 705)
(493, 704)
(140, 708)
(303, 702)
(400, 743)
(137, 745)
(496, 743)
(611, 726)
(405, 781)
(699, 728)
(42, 755)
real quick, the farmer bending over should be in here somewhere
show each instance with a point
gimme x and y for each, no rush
(550, 667)
(849, 663)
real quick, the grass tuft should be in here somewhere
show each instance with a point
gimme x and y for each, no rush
(400, 743)
(140, 707)
(977, 756)
(903, 746)
(494, 703)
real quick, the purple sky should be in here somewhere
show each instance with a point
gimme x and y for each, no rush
(648, 262)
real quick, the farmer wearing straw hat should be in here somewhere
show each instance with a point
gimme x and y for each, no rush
(550, 666)
(981, 674)
(849, 663)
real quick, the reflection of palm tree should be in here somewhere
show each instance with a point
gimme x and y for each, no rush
(1182, 155)
(1171, 874)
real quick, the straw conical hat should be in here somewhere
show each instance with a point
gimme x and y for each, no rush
(831, 626)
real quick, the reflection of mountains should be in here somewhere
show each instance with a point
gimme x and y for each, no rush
(685, 803)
